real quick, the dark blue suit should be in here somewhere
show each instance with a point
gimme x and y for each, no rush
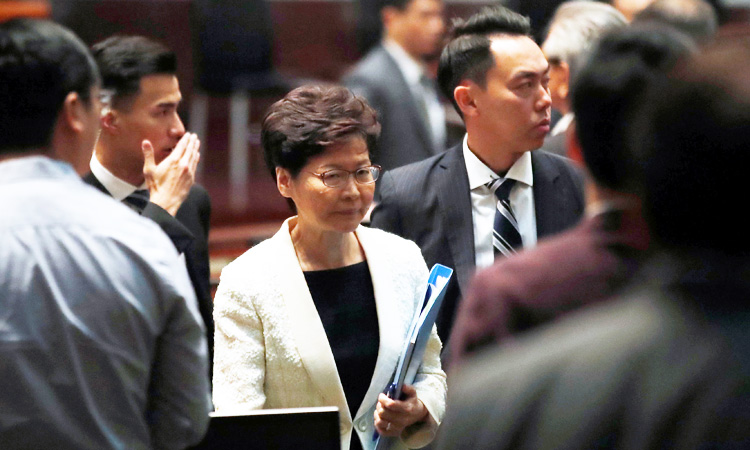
(429, 202)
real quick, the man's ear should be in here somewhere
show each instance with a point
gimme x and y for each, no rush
(387, 15)
(74, 112)
(284, 182)
(109, 120)
(464, 94)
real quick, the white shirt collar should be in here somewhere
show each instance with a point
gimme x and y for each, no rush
(479, 174)
(562, 124)
(410, 67)
(116, 187)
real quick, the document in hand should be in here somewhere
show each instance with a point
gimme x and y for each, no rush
(419, 334)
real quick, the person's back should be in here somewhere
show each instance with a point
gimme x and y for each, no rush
(88, 310)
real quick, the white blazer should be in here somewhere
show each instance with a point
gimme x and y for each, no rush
(271, 350)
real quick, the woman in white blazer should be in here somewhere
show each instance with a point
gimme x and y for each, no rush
(318, 314)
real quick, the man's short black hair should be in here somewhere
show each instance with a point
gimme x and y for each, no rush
(124, 60)
(468, 55)
(40, 64)
(608, 91)
(692, 143)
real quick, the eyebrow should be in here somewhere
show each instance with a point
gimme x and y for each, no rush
(530, 73)
(168, 104)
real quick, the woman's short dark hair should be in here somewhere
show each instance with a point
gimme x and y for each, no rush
(311, 118)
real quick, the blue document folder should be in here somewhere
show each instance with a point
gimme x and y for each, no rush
(418, 336)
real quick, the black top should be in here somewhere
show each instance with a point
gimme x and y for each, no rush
(345, 301)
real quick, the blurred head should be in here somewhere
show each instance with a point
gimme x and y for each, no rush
(629, 8)
(608, 94)
(692, 142)
(49, 88)
(573, 30)
(498, 79)
(696, 18)
(416, 25)
(141, 95)
(314, 130)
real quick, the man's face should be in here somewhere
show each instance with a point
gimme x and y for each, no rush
(558, 81)
(152, 115)
(514, 107)
(419, 28)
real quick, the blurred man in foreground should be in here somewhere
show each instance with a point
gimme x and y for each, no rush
(668, 365)
(101, 343)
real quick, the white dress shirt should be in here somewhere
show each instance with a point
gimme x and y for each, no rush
(413, 71)
(116, 187)
(483, 203)
(101, 341)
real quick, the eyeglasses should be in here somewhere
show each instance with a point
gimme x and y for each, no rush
(337, 178)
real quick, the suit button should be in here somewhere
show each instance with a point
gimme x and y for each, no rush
(362, 426)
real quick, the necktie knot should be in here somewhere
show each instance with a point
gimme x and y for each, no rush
(138, 200)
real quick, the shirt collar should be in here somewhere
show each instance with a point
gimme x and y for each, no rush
(479, 174)
(410, 67)
(117, 188)
(25, 168)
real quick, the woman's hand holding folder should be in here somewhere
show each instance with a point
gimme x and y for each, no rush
(392, 416)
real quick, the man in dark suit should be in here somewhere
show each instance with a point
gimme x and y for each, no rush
(393, 78)
(592, 261)
(497, 77)
(667, 365)
(145, 158)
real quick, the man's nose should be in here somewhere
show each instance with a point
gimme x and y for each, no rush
(178, 128)
(545, 100)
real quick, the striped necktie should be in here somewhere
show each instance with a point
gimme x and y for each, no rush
(137, 201)
(506, 238)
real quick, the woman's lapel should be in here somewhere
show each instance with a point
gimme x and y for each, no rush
(394, 310)
(307, 328)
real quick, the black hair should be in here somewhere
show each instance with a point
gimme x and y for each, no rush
(692, 143)
(40, 64)
(309, 119)
(608, 91)
(124, 60)
(468, 55)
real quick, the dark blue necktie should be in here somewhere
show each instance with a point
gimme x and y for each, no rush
(137, 201)
(506, 239)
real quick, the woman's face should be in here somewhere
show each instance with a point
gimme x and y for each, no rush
(339, 209)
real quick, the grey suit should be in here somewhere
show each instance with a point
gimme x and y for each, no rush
(405, 138)
(429, 202)
(666, 367)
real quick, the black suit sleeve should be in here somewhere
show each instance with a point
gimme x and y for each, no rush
(179, 234)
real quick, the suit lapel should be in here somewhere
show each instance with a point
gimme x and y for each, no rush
(455, 204)
(547, 204)
(309, 335)
(91, 180)
(392, 325)
(402, 90)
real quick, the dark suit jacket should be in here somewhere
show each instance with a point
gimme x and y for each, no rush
(667, 366)
(582, 265)
(404, 137)
(429, 202)
(189, 232)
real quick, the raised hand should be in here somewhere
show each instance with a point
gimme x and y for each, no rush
(170, 181)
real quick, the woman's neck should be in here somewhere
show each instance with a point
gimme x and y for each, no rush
(320, 250)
